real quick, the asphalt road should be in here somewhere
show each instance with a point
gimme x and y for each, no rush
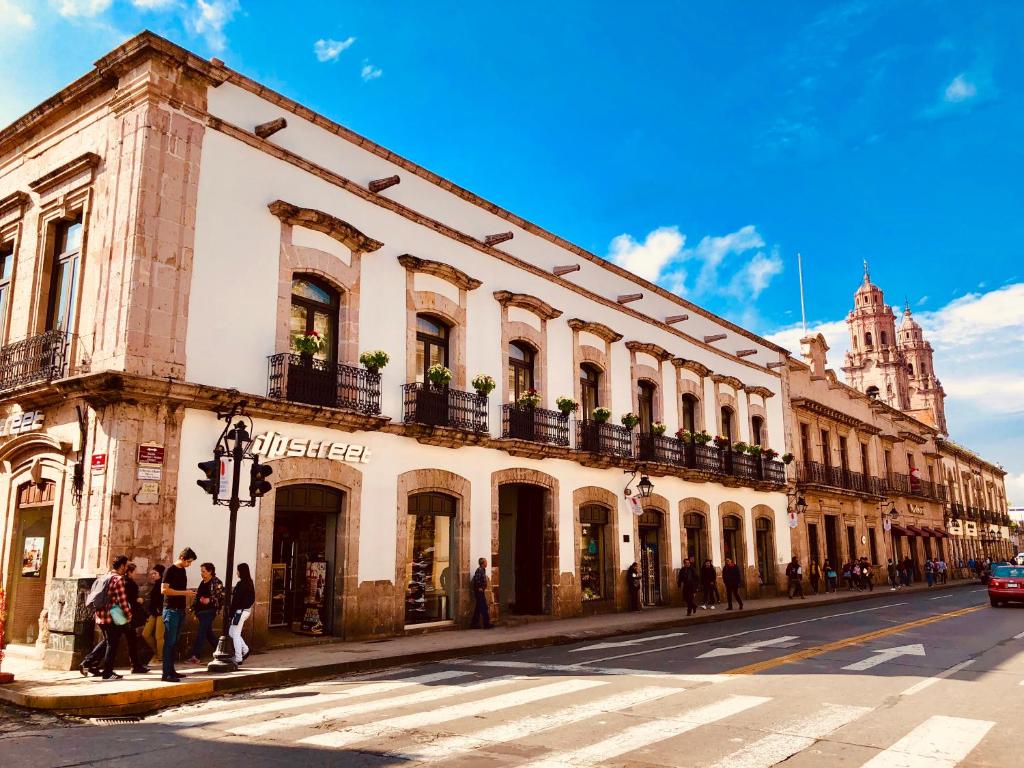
(915, 681)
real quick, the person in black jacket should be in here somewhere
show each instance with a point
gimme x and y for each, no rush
(709, 583)
(243, 597)
(732, 578)
(131, 634)
(153, 632)
(689, 581)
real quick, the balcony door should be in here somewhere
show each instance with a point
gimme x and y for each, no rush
(520, 370)
(432, 338)
(590, 379)
(315, 308)
(645, 406)
(67, 250)
(690, 413)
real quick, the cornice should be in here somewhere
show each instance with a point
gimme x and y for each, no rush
(87, 161)
(762, 391)
(329, 225)
(532, 304)
(598, 329)
(456, 277)
(691, 365)
(732, 381)
(913, 437)
(16, 199)
(651, 349)
(820, 409)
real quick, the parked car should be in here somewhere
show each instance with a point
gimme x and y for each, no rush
(1006, 584)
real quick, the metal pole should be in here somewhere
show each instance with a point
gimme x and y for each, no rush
(224, 656)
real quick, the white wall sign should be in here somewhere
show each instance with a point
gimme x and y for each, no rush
(19, 423)
(271, 445)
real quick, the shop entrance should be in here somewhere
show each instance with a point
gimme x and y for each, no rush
(302, 598)
(649, 530)
(30, 561)
(521, 545)
(832, 543)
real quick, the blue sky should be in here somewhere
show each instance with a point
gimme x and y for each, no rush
(700, 145)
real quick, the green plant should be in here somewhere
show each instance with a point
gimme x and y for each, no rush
(739, 447)
(754, 450)
(787, 458)
(685, 435)
(483, 384)
(721, 441)
(439, 375)
(601, 415)
(658, 428)
(529, 399)
(374, 360)
(567, 405)
(309, 343)
(629, 420)
(702, 437)
(770, 454)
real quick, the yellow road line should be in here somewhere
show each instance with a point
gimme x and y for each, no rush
(761, 666)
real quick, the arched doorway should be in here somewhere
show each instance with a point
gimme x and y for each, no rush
(650, 533)
(304, 560)
(31, 555)
(430, 568)
(732, 539)
(764, 550)
(522, 543)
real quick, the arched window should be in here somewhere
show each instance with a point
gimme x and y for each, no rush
(696, 544)
(885, 341)
(590, 379)
(690, 406)
(432, 337)
(727, 422)
(645, 405)
(732, 539)
(756, 430)
(765, 550)
(868, 344)
(315, 308)
(520, 369)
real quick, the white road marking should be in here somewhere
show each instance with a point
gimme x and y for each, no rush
(930, 681)
(650, 732)
(752, 647)
(941, 597)
(625, 643)
(1019, 636)
(404, 723)
(362, 708)
(741, 634)
(939, 742)
(883, 655)
(268, 707)
(790, 738)
(451, 746)
(579, 668)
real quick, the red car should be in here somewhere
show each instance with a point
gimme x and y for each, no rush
(1006, 584)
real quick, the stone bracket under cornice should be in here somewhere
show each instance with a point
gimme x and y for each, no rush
(532, 304)
(732, 381)
(691, 365)
(660, 353)
(329, 225)
(600, 330)
(87, 161)
(456, 277)
(760, 391)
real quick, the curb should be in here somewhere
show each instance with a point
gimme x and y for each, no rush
(151, 699)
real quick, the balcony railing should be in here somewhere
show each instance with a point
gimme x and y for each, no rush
(302, 379)
(706, 458)
(666, 450)
(38, 358)
(605, 439)
(537, 425)
(444, 407)
(837, 477)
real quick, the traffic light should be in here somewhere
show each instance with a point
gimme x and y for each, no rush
(212, 482)
(258, 475)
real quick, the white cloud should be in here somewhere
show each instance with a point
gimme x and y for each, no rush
(13, 16)
(960, 89)
(1015, 489)
(755, 276)
(87, 8)
(154, 5)
(330, 50)
(647, 259)
(209, 17)
(370, 72)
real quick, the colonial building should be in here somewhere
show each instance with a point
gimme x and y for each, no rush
(976, 507)
(173, 233)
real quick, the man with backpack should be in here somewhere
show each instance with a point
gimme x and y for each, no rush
(108, 599)
(795, 578)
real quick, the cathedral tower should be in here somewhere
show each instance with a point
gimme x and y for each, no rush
(927, 398)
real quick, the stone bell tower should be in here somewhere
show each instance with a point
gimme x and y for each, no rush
(875, 364)
(927, 398)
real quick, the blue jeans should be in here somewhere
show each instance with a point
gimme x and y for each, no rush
(173, 618)
(205, 632)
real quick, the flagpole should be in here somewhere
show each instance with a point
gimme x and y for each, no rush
(800, 271)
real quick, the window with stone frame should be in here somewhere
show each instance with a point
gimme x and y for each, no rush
(590, 381)
(6, 271)
(64, 266)
(521, 357)
(757, 430)
(727, 425)
(645, 405)
(432, 341)
(315, 308)
(691, 409)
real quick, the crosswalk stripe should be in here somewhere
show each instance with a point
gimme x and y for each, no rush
(346, 736)
(792, 737)
(451, 746)
(385, 686)
(579, 669)
(651, 732)
(335, 713)
(939, 742)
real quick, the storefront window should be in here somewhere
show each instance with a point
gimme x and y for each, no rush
(765, 550)
(593, 549)
(430, 577)
(696, 550)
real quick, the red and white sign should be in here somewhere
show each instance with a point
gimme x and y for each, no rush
(151, 455)
(99, 463)
(794, 521)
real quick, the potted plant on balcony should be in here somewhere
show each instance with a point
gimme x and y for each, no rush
(439, 376)
(685, 435)
(755, 451)
(658, 428)
(629, 420)
(432, 399)
(721, 442)
(529, 400)
(309, 344)
(739, 447)
(522, 419)
(309, 380)
(374, 360)
(483, 384)
(787, 458)
(702, 437)
(567, 405)
(601, 415)
(769, 454)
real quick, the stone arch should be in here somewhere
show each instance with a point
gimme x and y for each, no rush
(770, 574)
(425, 302)
(730, 509)
(550, 561)
(702, 549)
(660, 506)
(592, 494)
(458, 487)
(340, 476)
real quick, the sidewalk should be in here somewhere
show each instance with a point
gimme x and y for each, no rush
(70, 693)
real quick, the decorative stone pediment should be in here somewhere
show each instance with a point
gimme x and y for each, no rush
(15, 200)
(330, 225)
(83, 164)
(691, 365)
(600, 330)
(530, 303)
(761, 391)
(653, 350)
(731, 381)
(913, 437)
(456, 277)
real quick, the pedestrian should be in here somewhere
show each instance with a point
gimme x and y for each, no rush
(481, 612)
(815, 574)
(732, 578)
(114, 617)
(634, 582)
(929, 572)
(243, 597)
(908, 572)
(893, 576)
(709, 585)
(941, 570)
(689, 581)
(795, 578)
(831, 577)
(175, 591)
(153, 631)
(848, 575)
(131, 630)
(206, 605)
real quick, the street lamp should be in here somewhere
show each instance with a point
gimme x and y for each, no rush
(645, 486)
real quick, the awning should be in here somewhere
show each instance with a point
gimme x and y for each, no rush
(930, 532)
(913, 530)
(900, 530)
(941, 533)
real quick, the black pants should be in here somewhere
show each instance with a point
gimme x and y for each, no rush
(112, 634)
(730, 592)
(480, 610)
(796, 587)
(97, 655)
(690, 596)
(709, 594)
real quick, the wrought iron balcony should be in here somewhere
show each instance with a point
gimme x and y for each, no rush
(39, 358)
(837, 477)
(302, 379)
(665, 450)
(538, 425)
(603, 438)
(444, 407)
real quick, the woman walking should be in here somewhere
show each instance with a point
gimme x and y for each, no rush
(243, 597)
(831, 578)
(709, 583)
(209, 597)
(815, 574)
